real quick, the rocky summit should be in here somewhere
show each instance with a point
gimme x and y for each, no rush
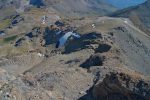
(74, 50)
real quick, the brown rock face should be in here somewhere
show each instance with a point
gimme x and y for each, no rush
(121, 87)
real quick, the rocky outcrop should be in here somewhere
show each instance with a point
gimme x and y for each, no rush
(94, 60)
(119, 86)
(103, 48)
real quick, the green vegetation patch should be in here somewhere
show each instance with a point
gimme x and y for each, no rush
(10, 39)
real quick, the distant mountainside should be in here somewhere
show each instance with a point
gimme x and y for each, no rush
(80, 7)
(125, 3)
(11, 7)
(139, 15)
(67, 7)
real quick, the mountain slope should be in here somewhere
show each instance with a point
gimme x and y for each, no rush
(139, 15)
(66, 7)
(45, 74)
(80, 7)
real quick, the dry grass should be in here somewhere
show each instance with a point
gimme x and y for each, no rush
(7, 46)
(9, 50)
(5, 23)
(101, 26)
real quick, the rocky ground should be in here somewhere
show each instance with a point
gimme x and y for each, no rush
(110, 61)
